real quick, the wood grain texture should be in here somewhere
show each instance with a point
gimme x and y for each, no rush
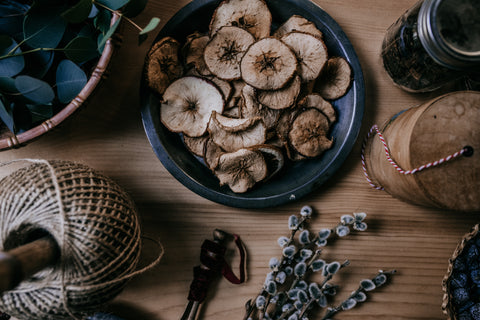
(107, 134)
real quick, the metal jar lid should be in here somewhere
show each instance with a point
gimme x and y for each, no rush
(449, 30)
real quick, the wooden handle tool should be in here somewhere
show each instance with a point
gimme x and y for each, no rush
(26, 260)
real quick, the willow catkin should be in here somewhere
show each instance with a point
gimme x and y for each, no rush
(93, 221)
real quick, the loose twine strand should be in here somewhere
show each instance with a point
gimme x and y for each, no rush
(64, 226)
(376, 130)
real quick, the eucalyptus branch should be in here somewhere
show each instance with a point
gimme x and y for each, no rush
(29, 51)
(119, 13)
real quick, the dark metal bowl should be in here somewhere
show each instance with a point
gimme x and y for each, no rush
(297, 179)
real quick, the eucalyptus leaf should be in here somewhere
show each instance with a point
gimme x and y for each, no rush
(103, 38)
(113, 4)
(38, 63)
(93, 12)
(40, 112)
(43, 29)
(87, 31)
(134, 8)
(81, 49)
(5, 43)
(151, 25)
(6, 116)
(12, 14)
(21, 116)
(142, 36)
(11, 66)
(78, 12)
(70, 80)
(7, 85)
(102, 20)
(35, 90)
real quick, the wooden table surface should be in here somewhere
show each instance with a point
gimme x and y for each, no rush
(107, 134)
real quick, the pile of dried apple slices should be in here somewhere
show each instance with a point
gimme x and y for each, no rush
(245, 98)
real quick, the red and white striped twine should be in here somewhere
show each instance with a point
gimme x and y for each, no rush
(374, 130)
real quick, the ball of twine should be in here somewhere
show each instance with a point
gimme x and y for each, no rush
(95, 225)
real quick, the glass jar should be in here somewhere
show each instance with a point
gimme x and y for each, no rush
(433, 43)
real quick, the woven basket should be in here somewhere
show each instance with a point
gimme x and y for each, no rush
(9, 140)
(448, 305)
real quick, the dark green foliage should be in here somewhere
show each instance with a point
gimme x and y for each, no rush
(48, 49)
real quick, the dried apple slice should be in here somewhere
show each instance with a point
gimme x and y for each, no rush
(195, 145)
(314, 100)
(268, 64)
(282, 98)
(251, 108)
(293, 154)
(252, 15)
(162, 65)
(225, 50)
(335, 79)
(193, 52)
(188, 103)
(311, 53)
(224, 86)
(211, 154)
(273, 157)
(234, 134)
(308, 133)
(298, 23)
(241, 170)
(284, 123)
(236, 96)
(232, 112)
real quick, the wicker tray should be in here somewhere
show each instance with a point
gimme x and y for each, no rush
(9, 140)
(448, 305)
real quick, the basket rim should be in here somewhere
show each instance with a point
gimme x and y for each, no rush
(14, 140)
(447, 307)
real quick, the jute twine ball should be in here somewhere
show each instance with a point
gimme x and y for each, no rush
(95, 225)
